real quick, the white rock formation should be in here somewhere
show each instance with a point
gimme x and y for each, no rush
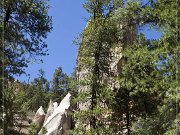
(39, 117)
(49, 111)
(55, 105)
(58, 122)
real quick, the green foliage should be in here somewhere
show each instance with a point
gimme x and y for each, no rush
(14, 97)
(38, 93)
(145, 101)
(107, 29)
(59, 84)
(23, 27)
(24, 24)
(165, 120)
(22, 98)
(33, 129)
(142, 98)
(44, 131)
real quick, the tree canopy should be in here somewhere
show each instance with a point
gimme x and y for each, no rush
(24, 25)
(124, 83)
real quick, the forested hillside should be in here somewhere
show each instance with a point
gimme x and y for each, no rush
(124, 83)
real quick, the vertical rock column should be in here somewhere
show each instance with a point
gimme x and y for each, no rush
(39, 117)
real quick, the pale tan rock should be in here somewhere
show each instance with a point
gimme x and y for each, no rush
(55, 105)
(59, 122)
(50, 110)
(39, 117)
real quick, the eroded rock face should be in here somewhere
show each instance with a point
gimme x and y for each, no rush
(55, 105)
(50, 110)
(59, 122)
(39, 117)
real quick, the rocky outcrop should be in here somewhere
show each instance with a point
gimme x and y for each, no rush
(57, 120)
(55, 105)
(39, 117)
(108, 53)
(50, 110)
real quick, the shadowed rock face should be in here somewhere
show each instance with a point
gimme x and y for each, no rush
(50, 110)
(57, 120)
(39, 117)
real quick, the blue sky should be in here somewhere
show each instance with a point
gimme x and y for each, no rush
(69, 19)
